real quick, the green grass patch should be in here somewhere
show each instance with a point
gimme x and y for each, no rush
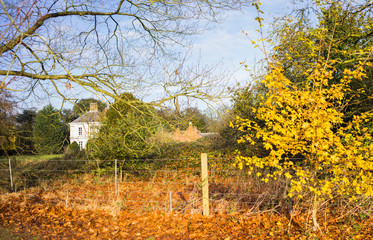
(31, 158)
(7, 233)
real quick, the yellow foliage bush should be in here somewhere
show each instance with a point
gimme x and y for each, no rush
(337, 157)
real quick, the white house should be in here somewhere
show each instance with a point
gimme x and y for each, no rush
(86, 126)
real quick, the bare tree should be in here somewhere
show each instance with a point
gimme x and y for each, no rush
(100, 46)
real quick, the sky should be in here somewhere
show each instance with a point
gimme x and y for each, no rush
(226, 40)
(227, 43)
(224, 43)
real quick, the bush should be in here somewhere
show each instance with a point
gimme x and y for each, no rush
(72, 150)
(188, 149)
(126, 130)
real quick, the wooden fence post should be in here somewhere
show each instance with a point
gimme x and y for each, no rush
(205, 185)
(10, 175)
(67, 198)
(170, 201)
(116, 177)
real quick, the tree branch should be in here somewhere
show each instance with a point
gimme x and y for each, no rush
(11, 44)
(44, 76)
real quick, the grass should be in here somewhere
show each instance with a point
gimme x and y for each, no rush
(37, 157)
(7, 233)
(27, 170)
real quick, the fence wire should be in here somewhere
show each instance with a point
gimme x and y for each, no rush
(140, 184)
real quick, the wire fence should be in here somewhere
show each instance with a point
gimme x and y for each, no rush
(170, 185)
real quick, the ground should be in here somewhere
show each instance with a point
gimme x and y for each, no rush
(38, 218)
(241, 206)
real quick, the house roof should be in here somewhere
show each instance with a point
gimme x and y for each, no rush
(190, 135)
(89, 117)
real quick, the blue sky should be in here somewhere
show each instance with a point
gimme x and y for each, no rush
(227, 42)
(223, 43)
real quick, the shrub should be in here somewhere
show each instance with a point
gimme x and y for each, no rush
(72, 150)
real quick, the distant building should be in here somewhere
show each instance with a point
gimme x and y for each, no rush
(191, 134)
(86, 126)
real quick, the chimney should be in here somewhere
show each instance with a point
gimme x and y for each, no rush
(93, 107)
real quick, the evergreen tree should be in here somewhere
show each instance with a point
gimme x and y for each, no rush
(25, 125)
(7, 123)
(48, 132)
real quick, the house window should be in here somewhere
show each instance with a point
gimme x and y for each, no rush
(80, 130)
(81, 145)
